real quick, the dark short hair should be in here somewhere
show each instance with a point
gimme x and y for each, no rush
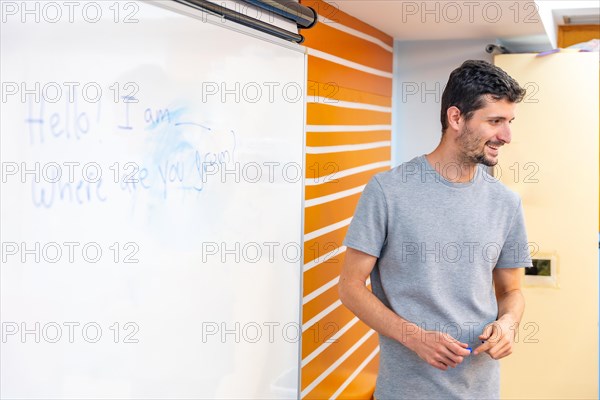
(469, 83)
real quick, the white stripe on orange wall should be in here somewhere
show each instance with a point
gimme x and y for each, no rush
(321, 290)
(350, 64)
(334, 196)
(348, 147)
(354, 32)
(355, 373)
(324, 258)
(346, 104)
(345, 173)
(334, 365)
(331, 340)
(347, 128)
(326, 229)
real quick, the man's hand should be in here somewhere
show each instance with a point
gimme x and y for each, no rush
(499, 337)
(438, 349)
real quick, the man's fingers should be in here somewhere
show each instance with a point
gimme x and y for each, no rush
(489, 331)
(484, 347)
(454, 358)
(457, 347)
(445, 359)
(502, 350)
(460, 349)
(492, 348)
(451, 339)
(449, 362)
(486, 332)
(441, 366)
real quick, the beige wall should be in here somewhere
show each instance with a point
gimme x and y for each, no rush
(557, 129)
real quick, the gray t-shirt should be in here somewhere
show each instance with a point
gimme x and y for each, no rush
(437, 243)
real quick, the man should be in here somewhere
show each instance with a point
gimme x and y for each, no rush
(437, 235)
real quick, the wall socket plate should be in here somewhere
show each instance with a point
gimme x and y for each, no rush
(544, 272)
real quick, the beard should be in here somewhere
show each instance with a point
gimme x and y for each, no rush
(473, 149)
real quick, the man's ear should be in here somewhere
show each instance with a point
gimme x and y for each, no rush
(454, 117)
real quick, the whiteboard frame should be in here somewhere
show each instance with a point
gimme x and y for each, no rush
(207, 17)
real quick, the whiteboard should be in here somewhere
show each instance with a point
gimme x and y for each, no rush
(154, 251)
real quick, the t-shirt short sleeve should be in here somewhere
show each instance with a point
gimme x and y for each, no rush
(515, 252)
(368, 230)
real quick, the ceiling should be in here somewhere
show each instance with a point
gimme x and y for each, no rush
(518, 22)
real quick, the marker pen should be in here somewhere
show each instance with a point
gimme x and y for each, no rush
(471, 350)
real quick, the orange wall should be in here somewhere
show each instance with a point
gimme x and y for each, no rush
(348, 139)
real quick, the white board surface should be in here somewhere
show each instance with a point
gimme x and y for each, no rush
(143, 271)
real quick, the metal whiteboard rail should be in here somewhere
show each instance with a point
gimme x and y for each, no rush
(305, 17)
(242, 19)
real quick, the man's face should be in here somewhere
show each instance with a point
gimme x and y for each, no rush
(483, 135)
